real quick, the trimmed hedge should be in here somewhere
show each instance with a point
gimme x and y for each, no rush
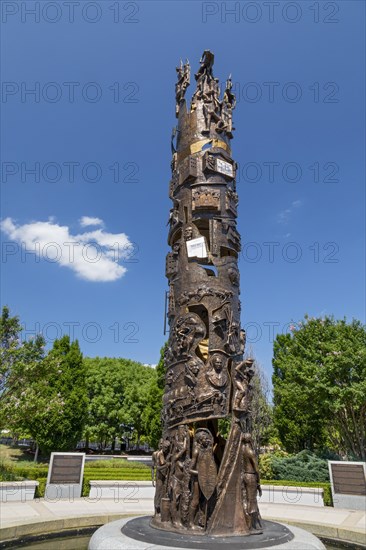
(116, 463)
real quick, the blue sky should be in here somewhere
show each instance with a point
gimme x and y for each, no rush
(103, 110)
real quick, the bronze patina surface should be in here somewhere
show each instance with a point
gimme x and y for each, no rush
(204, 483)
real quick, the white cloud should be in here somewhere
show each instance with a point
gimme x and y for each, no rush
(85, 221)
(93, 256)
(284, 216)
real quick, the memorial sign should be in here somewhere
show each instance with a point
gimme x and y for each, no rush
(348, 481)
(65, 475)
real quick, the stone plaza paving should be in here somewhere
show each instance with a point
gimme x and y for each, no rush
(19, 519)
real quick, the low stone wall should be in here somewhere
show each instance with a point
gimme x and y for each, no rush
(132, 491)
(17, 491)
(125, 491)
(283, 494)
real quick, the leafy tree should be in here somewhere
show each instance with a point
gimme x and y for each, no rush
(134, 405)
(14, 353)
(320, 386)
(262, 414)
(42, 394)
(105, 386)
(70, 386)
(118, 394)
(152, 412)
(21, 369)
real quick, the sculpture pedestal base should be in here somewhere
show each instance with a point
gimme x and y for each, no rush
(199, 532)
(137, 534)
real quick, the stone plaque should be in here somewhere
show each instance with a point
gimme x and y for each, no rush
(66, 469)
(348, 481)
(65, 475)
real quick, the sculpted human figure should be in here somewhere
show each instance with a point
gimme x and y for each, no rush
(204, 474)
(174, 214)
(180, 451)
(211, 103)
(228, 105)
(190, 377)
(207, 61)
(162, 465)
(251, 482)
(233, 337)
(242, 392)
(217, 374)
(242, 339)
(184, 77)
(188, 233)
(154, 461)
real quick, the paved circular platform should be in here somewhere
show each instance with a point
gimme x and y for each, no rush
(137, 534)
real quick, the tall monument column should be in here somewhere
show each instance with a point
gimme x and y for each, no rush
(205, 483)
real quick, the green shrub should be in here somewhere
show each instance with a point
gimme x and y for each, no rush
(304, 466)
(8, 472)
(265, 463)
(40, 491)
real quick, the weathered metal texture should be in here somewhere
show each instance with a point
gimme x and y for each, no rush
(206, 485)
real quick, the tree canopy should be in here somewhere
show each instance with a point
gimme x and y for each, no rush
(118, 391)
(319, 383)
(42, 394)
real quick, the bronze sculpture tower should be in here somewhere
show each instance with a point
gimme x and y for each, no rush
(205, 483)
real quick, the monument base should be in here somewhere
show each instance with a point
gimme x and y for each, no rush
(156, 523)
(137, 534)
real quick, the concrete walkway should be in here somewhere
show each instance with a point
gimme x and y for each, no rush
(22, 519)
